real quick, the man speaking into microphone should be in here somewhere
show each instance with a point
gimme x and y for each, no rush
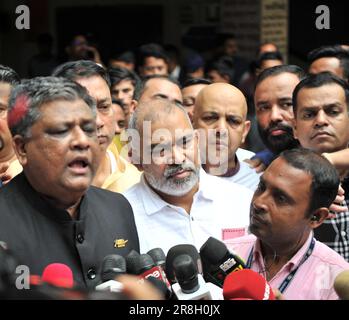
(50, 213)
(292, 199)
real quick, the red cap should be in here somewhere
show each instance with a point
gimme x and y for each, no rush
(246, 285)
(59, 275)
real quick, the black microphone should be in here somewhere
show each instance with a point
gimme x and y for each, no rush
(112, 266)
(176, 251)
(146, 267)
(218, 261)
(131, 262)
(190, 284)
(158, 257)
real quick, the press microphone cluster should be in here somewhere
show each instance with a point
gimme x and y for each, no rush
(184, 270)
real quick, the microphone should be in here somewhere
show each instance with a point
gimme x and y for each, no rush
(176, 251)
(218, 261)
(190, 284)
(58, 275)
(341, 285)
(112, 266)
(246, 285)
(146, 268)
(131, 262)
(158, 257)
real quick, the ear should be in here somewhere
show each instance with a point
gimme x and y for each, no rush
(19, 145)
(318, 217)
(133, 106)
(246, 130)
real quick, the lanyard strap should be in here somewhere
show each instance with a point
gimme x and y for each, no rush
(290, 277)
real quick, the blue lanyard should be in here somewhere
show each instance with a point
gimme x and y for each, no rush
(290, 277)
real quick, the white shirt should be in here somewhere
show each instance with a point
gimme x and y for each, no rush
(219, 209)
(244, 154)
(246, 176)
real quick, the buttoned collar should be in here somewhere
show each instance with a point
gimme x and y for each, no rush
(153, 203)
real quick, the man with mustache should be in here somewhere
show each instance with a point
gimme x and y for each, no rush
(320, 106)
(176, 202)
(292, 201)
(9, 165)
(273, 103)
(50, 213)
(114, 172)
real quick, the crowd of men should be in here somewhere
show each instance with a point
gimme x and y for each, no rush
(143, 153)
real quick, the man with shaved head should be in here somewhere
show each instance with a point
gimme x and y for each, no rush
(158, 87)
(176, 202)
(221, 111)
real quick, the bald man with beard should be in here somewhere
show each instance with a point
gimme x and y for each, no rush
(220, 117)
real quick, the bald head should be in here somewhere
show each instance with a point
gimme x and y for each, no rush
(161, 88)
(220, 95)
(221, 111)
(156, 111)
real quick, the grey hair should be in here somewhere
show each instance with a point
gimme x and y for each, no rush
(27, 98)
(158, 106)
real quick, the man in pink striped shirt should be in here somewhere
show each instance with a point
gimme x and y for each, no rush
(292, 199)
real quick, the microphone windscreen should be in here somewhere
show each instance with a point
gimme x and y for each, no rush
(213, 250)
(158, 256)
(175, 252)
(132, 262)
(59, 275)
(246, 285)
(145, 262)
(186, 273)
(112, 265)
(341, 285)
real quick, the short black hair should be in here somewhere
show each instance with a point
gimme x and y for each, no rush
(334, 51)
(126, 56)
(118, 74)
(73, 70)
(151, 50)
(319, 80)
(273, 55)
(195, 81)
(277, 70)
(224, 66)
(325, 179)
(8, 75)
(140, 89)
(118, 102)
(27, 98)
